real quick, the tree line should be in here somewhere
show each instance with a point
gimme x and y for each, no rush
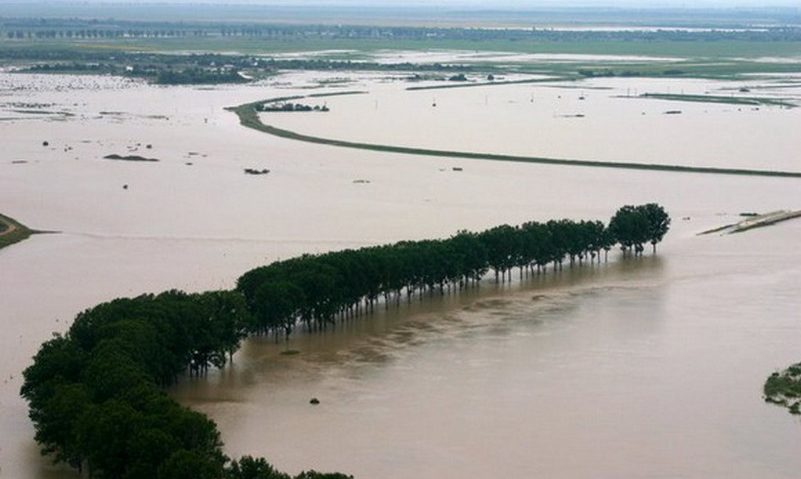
(97, 393)
(318, 290)
(27, 29)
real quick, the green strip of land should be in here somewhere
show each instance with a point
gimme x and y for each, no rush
(11, 231)
(249, 117)
(733, 100)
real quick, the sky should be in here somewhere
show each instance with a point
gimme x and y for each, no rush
(479, 4)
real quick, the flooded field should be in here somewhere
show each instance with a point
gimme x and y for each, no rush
(633, 368)
(600, 119)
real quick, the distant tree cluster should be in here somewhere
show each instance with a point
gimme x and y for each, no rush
(198, 76)
(96, 394)
(289, 107)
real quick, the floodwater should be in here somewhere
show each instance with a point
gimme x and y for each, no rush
(633, 368)
(600, 119)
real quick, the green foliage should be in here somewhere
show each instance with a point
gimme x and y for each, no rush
(322, 475)
(95, 394)
(196, 76)
(248, 467)
(784, 389)
(633, 226)
(183, 464)
(315, 289)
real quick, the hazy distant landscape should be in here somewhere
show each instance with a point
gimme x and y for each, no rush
(399, 240)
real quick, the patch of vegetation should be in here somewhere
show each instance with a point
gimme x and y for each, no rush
(784, 389)
(199, 76)
(12, 231)
(290, 107)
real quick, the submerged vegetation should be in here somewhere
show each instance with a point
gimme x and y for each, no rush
(97, 393)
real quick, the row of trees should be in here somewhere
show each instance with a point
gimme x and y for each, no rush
(318, 290)
(96, 394)
(18, 29)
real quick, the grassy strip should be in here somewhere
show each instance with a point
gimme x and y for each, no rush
(12, 231)
(249, 118)
(733, 100)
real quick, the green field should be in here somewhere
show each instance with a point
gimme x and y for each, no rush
(673, 49)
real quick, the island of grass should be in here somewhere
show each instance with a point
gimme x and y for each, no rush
(249, 117)
(784, 389)
(12, 231)
(731, 100)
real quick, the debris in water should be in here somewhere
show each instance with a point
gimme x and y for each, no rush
(253, 171)
(129, 158)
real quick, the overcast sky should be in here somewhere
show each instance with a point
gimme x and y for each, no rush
(484, 4)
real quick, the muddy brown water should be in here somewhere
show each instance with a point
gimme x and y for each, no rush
(635, 368)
